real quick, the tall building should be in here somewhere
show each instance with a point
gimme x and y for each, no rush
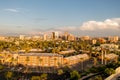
(45, 37)
(55, 35)
(22, 37)
(113, 38)
(94, 41)
(65, 36)
(71, 37)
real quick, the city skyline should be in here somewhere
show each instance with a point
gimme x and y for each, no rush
(93, 18)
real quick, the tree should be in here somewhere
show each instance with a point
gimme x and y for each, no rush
(81, 60)
(27, 60)
(109, 71)
(60, 72)
(8, 75)
(35, 78)
(1, 67)
(12, 60)
(98, 78)
(95, 61)
(43, 77)
(74, 75)
(39, 59)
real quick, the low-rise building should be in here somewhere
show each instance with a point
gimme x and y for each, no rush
(111, 57)
(41, 59)
(109, 46)
(2, 38)
(67, 52)
(75, 59)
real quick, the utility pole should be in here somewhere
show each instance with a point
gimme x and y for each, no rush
(102, 56)
(105, 58)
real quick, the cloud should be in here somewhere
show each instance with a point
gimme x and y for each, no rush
(108, 24)
(66, 28)
(12, 10)
(108, 27)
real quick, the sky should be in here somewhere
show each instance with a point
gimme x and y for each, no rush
(79, 17)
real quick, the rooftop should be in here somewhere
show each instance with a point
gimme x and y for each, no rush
(40, 54)
(111, 56)
(80, 56)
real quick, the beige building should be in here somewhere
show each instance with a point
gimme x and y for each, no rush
(71, 37)
(67, 52)
(75, 59)
(22, 37)
(94, 41)
(113, 38)
(85, 38)
(2, 38)
(41, 59)
(109, 46)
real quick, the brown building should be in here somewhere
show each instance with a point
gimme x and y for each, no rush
(41, 59)
(75, 59)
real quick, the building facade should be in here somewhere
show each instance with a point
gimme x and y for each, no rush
(41, 59)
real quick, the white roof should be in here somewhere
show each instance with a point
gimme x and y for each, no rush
(80, 56)
(111, 56)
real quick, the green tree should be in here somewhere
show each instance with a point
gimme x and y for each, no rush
(82, 61)
(60, 72)
(39, 59)
(95, 61)
(43, 77)
(9, 75)
(27, 60)
(98, 78)
(1, 67)
(109, 71)
(35, 78)
(74, 75)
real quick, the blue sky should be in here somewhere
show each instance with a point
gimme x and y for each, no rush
(27, 16)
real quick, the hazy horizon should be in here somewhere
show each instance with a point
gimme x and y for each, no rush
(79, 17)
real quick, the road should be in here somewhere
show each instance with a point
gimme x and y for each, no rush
(89, 76)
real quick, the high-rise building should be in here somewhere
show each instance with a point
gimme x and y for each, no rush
(94, 41)
(22, 37)
(113, 38)
(65, 36)
(71, 37)
(45, 37)
(55, 35)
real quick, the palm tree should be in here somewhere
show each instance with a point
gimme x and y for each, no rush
(55, 59)
(12, 60)
(16, 60)
(81, 60)
(95, 61)
(39, 59)
(27, 60)
(105, 60)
